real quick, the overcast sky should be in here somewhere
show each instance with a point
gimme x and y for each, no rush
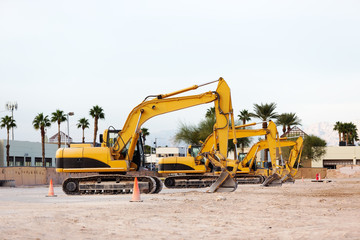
(71, 55)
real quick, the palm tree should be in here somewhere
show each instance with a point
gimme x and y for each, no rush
(244, 116)
(59, 117)
(41, 122)
(353, 133)
(8, 123)
(264, 112)
(350, 133)
(292, 121)
(287, 120)
(83, 123)
(282, 120)
(339, 128)
(97, 113)
(144, 133)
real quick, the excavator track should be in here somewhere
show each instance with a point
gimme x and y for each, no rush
(249, 179)
(203, 181)
(190, 181)
(110, 184)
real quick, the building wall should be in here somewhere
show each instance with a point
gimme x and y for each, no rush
(27, 150)
(346, 155)
(162, 152)
(169, 150)
(2, 152)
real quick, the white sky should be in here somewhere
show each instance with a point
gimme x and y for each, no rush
(72, 55)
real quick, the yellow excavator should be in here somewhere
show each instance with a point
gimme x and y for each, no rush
(121, 151)
(285, 169)
(195, 171)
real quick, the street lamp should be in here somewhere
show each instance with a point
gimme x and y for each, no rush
(11, 106)
(68, 131)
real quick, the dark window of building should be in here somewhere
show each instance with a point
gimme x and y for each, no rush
(48, 162)
(19, 161)
(11, 161)
(38, 162)
(27, 161)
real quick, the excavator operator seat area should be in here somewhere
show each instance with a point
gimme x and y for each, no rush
(193, 151)
(110, 137)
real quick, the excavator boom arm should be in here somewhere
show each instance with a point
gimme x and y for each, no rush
(164, 104)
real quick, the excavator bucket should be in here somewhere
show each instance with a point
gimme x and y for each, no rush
(225, 183)
(272, 181)
(288, 178)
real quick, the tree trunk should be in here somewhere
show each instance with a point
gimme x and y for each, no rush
(95, 130)
(8, 149)
(43, 145)
(83, 138)
(59, 137)
(266, 150)
(243, 144)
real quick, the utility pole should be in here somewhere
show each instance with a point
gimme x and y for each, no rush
(68, 131)
(11, 106)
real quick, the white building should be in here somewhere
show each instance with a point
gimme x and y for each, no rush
(24, 153)
(162, 152)
(345, 155)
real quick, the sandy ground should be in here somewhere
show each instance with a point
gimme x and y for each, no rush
(303, 210)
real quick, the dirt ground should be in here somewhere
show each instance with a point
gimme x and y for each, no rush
(303, 210)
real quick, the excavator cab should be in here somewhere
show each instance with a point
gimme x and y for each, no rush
(193, 151)
(110, 140)
(111, 137)
(241, 156)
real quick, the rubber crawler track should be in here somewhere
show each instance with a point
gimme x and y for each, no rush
(203, 181)
(110, 184)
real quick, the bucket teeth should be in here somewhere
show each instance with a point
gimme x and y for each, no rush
(272, 180)
(225, 183)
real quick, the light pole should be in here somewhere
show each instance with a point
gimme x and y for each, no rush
(68, 131)
(11, 106)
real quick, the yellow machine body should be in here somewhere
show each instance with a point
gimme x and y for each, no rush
(190, 165)
(171, 165)
(122, 152)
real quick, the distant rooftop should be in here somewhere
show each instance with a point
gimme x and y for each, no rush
(294, 132)
(63, 137)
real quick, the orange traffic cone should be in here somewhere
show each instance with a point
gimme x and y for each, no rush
(136, 192)
(51, 190)
(302, 179)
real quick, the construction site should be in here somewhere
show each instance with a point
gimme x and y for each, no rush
(179, 120)
(104, 192)
(303, 210)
